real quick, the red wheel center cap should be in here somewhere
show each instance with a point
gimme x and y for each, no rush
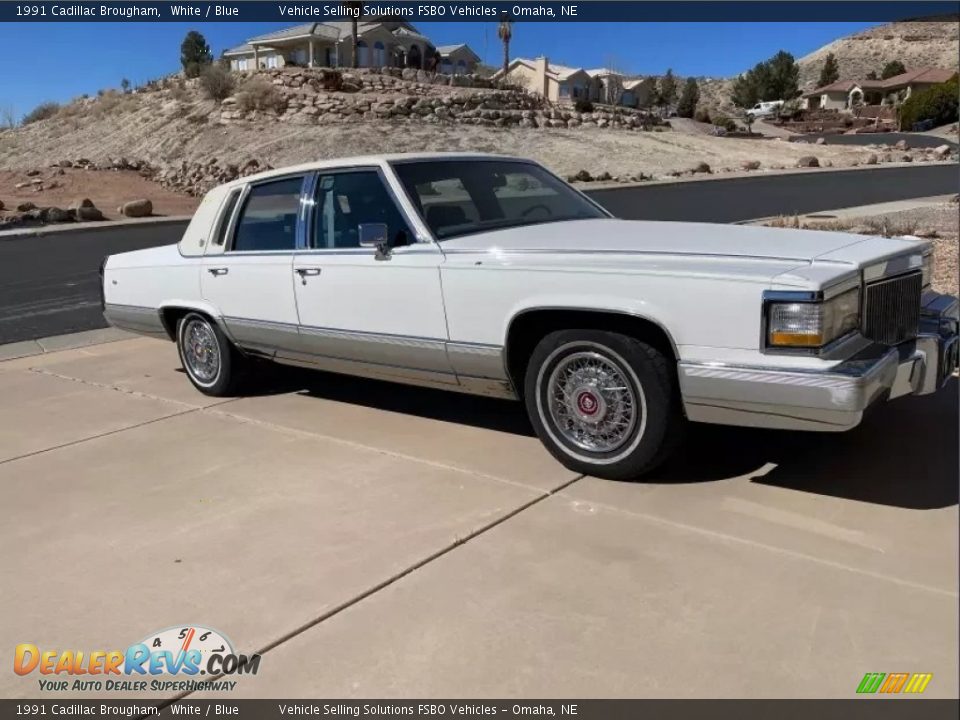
(587, 403)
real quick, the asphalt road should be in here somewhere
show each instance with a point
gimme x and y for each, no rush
(49, 284)
(913, 140)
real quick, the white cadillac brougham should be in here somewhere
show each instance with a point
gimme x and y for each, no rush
(489, 275)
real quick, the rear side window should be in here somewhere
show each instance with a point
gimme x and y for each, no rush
(225, 217)
(268, 220)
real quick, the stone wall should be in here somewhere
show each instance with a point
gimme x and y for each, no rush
(415, 96)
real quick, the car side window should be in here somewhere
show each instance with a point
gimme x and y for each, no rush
(228, 209)
(268, 220)
(346, 200)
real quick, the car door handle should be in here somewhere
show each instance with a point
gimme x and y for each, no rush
(304, 273)
(217, 271)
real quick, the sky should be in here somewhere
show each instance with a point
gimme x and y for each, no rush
(60, 61)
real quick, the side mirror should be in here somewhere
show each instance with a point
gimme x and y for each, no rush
(373, 235)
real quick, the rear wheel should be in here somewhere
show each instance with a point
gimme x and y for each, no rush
(603, 403)
(209, 359)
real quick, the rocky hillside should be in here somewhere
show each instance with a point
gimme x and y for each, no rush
(915, 44)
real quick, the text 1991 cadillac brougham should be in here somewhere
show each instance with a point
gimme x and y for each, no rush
(489, 275)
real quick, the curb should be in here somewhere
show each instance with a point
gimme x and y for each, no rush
(56, 343)
(761, 173)
(79, 227)
(861, 210)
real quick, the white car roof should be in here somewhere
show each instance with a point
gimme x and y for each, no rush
(366, 160)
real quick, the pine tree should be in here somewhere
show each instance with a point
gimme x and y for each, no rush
(194, 54)
(830, 72)
(667, 92)
(688, 98)
(894, 67)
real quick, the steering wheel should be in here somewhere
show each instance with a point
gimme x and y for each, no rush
(539, 206)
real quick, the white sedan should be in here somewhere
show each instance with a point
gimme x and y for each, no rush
(489, 275)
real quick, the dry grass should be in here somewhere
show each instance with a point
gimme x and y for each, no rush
(939, 224)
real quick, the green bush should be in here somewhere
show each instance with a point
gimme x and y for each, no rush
(728, 124)
(42, 111)
(702, 115)
(938, 103)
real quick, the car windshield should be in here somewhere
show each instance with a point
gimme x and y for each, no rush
(462, 197)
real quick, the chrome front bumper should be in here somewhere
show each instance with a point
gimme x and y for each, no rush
(834, 400)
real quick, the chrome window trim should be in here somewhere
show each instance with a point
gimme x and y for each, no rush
(224, 219)
(310, 201)
(241, 206)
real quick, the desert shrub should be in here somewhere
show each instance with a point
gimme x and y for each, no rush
(728, 124)
(216, 82)
(702, 115)
(583, 106)
(258, 94)
(43, 111)
(178, 91)
(938, 103)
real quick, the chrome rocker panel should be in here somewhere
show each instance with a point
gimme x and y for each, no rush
(834, 400)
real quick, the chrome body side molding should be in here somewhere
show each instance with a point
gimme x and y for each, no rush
(140, 320)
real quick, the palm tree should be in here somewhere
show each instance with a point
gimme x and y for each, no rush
(357, 8)
(505, 33)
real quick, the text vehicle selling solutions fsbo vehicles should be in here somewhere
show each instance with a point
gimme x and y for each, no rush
(490, 275)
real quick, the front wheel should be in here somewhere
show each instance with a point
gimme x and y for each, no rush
(209, 359)
(603, 403)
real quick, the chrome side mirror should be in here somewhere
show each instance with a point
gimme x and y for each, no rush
(372, 235)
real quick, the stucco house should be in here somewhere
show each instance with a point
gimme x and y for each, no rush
(458, 59)
(847, 94)
(380, 43)
(560, 83)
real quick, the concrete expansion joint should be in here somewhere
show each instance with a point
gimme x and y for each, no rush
(733, 539)
(106, 386)
(307, 434)
(369, 592)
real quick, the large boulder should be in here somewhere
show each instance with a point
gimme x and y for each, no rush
(750, 164)
(136, 208)
(1, 205)
(701, 167)
(872, 159)
(26, 206)
(808, 161)
(902, 145)
(87, 213)
(54, 215)
(942, 151)
(80, 203)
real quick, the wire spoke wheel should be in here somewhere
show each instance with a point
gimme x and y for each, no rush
(201, 351)
(591, 402)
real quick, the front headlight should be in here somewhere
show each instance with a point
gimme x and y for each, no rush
(812, 324)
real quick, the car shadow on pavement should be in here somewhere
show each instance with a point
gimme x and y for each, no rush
(454, 407)
(904, 454)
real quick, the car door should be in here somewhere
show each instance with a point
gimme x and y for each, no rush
(247, 269)
(361, 310)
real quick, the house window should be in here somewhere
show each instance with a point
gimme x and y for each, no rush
(379, 54)
(363, 54)
(461, 67)
(564, 90)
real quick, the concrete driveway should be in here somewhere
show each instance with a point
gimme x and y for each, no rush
(374, 540)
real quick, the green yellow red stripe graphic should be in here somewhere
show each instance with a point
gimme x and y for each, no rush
(890, 683)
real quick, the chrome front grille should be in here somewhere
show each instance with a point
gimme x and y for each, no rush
(891, 309)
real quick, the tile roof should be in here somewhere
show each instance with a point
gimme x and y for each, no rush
(920, 75)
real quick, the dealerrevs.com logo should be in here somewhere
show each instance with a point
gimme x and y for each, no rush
(169, 660)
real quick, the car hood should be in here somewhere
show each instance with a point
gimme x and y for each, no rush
(670, 238)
